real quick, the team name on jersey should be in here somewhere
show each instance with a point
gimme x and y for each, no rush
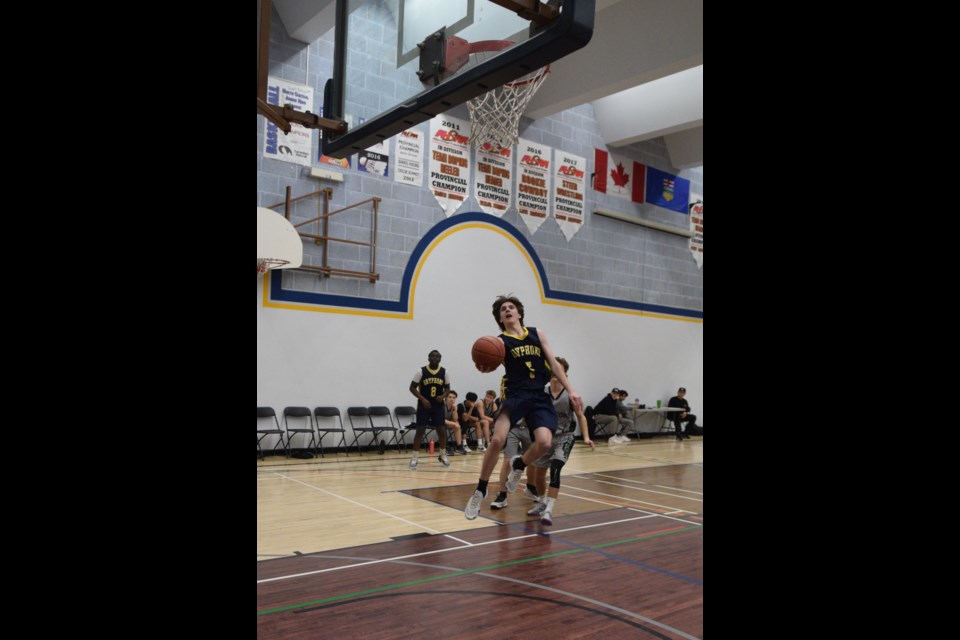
(427, 381)
(525, 350)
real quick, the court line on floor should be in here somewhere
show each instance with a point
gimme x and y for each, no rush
(608, 503)
(602, 606)
(598, 548)
(597, 603)
(670, 508)
(360, 504)
(482, 571)
(662, 493)
(668, 517)
(427, 553)
(662, 486)
(617, 504)
(638, 455)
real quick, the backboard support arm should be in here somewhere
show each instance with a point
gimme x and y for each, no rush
(533, 10)
(282, 116)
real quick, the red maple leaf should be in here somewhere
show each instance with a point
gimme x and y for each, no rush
(620, 177)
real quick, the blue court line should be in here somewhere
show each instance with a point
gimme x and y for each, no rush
(627, 560)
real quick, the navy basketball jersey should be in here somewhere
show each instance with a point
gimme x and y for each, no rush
(431, 384)
(527, 368)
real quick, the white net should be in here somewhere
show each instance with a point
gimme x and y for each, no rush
(264, 264)
(495, 116)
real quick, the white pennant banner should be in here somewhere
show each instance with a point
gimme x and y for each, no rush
(533, 192)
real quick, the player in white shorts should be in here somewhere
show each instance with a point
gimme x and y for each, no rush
(518, 440)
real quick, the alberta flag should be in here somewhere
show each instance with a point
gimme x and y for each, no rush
(618, 176)
(667, 191)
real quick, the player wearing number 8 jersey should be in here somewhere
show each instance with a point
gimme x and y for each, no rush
(430, 385)
(529, 362)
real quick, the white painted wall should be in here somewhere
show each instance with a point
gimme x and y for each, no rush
(318, 358)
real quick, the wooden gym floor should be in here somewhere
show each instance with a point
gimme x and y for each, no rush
(360, 546)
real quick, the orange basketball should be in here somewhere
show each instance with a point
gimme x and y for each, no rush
(488, 352)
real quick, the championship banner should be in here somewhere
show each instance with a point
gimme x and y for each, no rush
(409, 166)
(696, 225)
(618, 176)
(667, 190)
(493, 188)
(375, 159)
(533, 194)
(294, 146)
(568, 194)
(449, 161)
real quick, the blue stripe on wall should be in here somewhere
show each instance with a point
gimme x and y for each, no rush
(278, 294)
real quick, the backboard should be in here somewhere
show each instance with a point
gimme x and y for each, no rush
(278, 243)
(400, 62)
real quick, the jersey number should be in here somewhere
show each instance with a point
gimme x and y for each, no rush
(433, 392)
(530, 366)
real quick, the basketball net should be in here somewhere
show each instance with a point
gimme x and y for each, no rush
(265, 264)
(495, 116)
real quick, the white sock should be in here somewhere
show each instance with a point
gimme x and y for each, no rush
(550, 504)
(416, 455)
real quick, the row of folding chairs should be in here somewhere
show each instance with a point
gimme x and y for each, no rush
(373, 420)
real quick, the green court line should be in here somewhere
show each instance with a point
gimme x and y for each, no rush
(457, 574)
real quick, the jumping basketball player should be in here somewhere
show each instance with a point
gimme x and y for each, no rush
(529, 361)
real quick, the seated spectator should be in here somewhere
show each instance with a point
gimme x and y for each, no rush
(472, 418)
(627, 410)
(489, 410)
(452, 421)
(606, 413)
(679, 417)
(622, 404)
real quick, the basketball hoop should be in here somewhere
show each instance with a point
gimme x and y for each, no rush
(265, 264)
(495, 116)
(277, 241)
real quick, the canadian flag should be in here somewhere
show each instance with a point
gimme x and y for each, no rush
(618, 176)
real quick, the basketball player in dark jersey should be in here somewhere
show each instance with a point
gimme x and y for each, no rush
(430, 385)
(529, 362)
(560, 449)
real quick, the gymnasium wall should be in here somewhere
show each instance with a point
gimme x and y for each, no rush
(312, 354)
(623, 303)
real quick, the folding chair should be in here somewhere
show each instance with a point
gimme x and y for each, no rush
(667, 421)
(359, 413)
(303, 427)
(405, 412)
(330, 412)
(383, 412)
(595, 428)
(264, 429)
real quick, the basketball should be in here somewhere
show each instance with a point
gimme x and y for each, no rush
(488, 352)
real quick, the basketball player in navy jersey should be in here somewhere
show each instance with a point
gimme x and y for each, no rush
(430, 385)
(529, 362)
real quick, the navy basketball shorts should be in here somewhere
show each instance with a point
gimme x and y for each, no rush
(534, 407)
(433, 416)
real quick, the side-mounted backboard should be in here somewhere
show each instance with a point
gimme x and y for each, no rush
(400, 62)
(278, 243)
